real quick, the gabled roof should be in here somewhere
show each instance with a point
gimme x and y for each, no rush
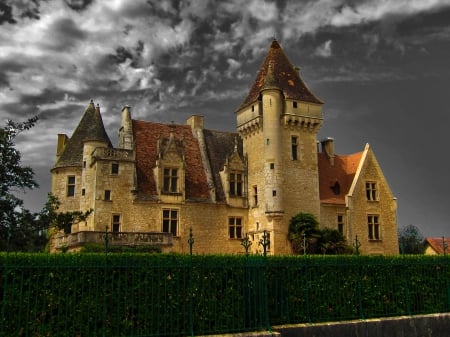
(436, 245)
(342, 172)
(146, 135)
(90, 128)
(219, 145)
(285, 76)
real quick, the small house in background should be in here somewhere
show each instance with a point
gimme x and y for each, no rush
(437, 246)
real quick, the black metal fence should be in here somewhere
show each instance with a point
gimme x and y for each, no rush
(174, 295)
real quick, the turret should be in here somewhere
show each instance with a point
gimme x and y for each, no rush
(272, 109)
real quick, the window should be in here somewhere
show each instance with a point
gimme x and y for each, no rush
(108, 195)
(253, 108)
(115, 223)
(170, 221)
(294, 104)
(371, 191)
(255, 195)
(71, 186)
(274, 193)
(170, 183)
(373, 227)
(84, 163)
(114, 168)
(236, 184)
(272, 166)
(294, 146)
(83, 192)
(340, 223)
(235, 227)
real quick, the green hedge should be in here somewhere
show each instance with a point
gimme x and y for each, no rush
(171, 295)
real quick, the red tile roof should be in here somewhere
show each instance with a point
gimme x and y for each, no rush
(436, 244)
(146, 135)
(286, 78)
(342, 172)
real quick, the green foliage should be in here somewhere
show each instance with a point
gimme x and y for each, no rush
(134, 294)
(410, 240)
(304, 230)
(19, 230)
(60, 220)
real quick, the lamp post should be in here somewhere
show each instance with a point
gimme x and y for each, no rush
(265, 242)
(190, 240)
(246, 243)
(106, 237)
(304, 244)
(357, 244)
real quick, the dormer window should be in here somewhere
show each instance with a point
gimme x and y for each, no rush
(235, 184)
(170, 180)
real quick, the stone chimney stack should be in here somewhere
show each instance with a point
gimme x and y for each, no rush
(328, 149)
(126, 130)
(195, 122)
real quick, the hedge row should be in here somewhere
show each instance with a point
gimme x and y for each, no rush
(169, 295)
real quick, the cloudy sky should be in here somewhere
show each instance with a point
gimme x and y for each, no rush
(381, 67)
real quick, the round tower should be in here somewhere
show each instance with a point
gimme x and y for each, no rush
(272, 109)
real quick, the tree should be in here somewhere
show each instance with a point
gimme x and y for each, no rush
(333, 242)
(18, 228)
(51, 218)
(410, 240)
(304, 231)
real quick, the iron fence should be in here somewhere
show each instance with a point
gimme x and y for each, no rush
(173, 295)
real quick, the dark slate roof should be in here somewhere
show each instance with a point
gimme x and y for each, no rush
(90, 128)
(146, 135)
(220, 145)
(286, 78)
(342, 172)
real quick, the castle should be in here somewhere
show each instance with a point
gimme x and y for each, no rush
(166, 182)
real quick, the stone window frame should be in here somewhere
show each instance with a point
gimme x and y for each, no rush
(115, 168)
(372, 190)
(373, 227)
(71, 181)
(170, 181)
(340, 222)
(235, 225)
(170, 221)
(116, 222)
(236, 184)
(107, 195)
(294, 147)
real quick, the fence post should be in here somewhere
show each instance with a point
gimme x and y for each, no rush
(191, 295)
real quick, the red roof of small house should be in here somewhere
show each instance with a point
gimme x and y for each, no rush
(335, 180)
(436, 244)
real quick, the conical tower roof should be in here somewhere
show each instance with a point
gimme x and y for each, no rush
(90, 128)
(277, 69)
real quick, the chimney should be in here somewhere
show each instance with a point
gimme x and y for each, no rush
(62, 141)
(195, 122)
(328, 149)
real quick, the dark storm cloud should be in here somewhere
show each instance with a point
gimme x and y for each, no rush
(63, 34)
(375, 64)
(78, 5)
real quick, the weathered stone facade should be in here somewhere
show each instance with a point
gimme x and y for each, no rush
(165, 180)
